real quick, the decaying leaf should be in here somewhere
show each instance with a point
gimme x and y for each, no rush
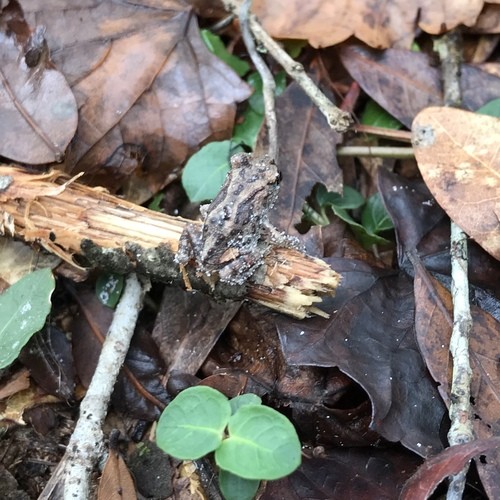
(38, 113)
(458, 155)
(433, 323)
(307, 155)
(379, 24)
(149, 92)
(404, 82)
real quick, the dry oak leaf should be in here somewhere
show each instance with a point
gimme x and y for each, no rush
(149, 92)
(38, 113)
(459, 157)
(379, 24)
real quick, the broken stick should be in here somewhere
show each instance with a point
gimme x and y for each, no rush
(70, 219)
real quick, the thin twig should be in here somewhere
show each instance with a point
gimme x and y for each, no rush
(86, 443)
(461, 431)
(337, 119)
(385, 133)
(377, 151)
(268, 84)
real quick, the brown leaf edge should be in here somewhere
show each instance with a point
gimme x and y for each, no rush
(447, 463)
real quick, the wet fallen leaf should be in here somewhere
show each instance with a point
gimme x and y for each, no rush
(434, 320)
(361, 473)
(324, 22)
(371, 338)
(38, 113)
(404, 82)
(307, 155)
(187, 327)
(49, 359)
(447, 463)
(422, 227)
(142, 78)
(457, 154)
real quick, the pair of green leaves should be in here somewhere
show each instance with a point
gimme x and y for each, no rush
(250, 441)
(373, 221)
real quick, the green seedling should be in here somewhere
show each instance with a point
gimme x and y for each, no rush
(251, 442)
(373, 221)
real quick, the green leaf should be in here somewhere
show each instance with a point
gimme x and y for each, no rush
(262, 444)
(155, 203)
(23, 310)
(374, 216)
(235, 487)
(294, 47)
(193, 424)
(109, 287)
(215, 45)
(491, 108)
(244, 399)
(350, 199)
(375, 115)
(362, 235)
(206, 171)
(256, 100)
(248, 130)
(367, 239)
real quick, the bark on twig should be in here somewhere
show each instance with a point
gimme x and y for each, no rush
(85, 445)
(461, 431)
(338, 120)
(63, 216)
(268, 84)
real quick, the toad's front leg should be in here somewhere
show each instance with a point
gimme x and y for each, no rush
(189, 250)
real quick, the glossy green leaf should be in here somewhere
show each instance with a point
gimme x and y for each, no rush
(247, 131)
(215, 45)
(23, 309)
(350, 199)
(374, 216)
(245, 399)
(109, 288)
(236, 488)
(366, 238)
(256, 100)
(262, 444)
(376, 116)
(206, 170)
(193, 424)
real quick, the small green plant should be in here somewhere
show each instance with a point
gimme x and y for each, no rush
(23, 310)
(251, 442)
(373, 219)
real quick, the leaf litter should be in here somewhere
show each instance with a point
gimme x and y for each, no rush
(366, 388)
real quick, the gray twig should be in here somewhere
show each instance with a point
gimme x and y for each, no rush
(449, 49)
(337, 119)
(268, 84)
(86, 443)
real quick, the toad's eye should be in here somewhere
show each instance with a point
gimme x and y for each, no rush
(279, 177)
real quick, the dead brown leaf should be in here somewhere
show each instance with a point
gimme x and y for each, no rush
(142, 77)
(458, 155)
(433, 324)
(116, 482)
(38, 113)
(379, 24)
(404, 82)
(307, 155)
